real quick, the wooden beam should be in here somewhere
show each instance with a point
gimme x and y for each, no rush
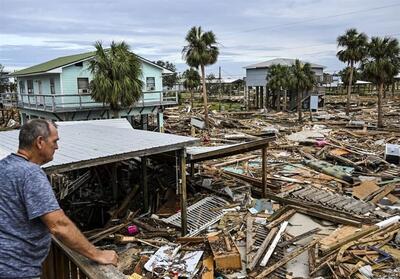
(262, 248)
(285, 216)
(285, 260)
(182, 190)
(231, 150)
(264, 171)
(144, 183)
(114, 182)
(274, 243)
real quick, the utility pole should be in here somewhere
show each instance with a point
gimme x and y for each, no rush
(219, 87)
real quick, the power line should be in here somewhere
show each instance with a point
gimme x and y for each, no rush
(313, 19)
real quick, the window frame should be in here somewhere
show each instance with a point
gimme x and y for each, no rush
(52, 86)
(21, 84)
(150, 86)
(83, 89)
(30, 81)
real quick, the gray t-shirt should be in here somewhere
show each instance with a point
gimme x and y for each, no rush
(25, 195)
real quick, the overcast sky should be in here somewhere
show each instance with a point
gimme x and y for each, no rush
(248, 31)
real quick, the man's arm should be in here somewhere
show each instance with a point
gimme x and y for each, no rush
(66, 231)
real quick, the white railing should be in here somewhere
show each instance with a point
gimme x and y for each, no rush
(57, 102)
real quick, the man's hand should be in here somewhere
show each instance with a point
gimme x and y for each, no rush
(106, 257)
(66, 231)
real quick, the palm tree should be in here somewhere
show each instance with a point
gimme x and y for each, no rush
(191, 82)
(301, 79)
(346, 73)
(381, 65)
(200, 51)
(278, 81)
(354, 50)
(117, 73)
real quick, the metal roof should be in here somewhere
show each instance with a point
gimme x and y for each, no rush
(55, 63)
(281, 61)
(70, 59)
(89, 143)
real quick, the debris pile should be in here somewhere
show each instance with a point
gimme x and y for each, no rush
(329, 207)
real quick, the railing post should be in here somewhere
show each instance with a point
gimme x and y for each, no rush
(36, 101)
(53, 101)
(161, 96)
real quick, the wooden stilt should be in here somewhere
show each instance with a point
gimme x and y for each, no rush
(182, 192)
(145, 184)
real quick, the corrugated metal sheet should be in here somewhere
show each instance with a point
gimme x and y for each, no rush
(281, 61)
(89, 140)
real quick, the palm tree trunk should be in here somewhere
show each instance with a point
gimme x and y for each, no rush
(278, 101)
(191, 97)
(203, 77)
(299, 104)
(285, 100)
(380, 113)
(349, 88)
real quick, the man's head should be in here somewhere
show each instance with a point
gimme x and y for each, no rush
(39, 138)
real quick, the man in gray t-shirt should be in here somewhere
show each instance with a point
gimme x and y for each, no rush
(29, 211)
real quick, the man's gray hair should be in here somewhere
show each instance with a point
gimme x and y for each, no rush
(33, 129)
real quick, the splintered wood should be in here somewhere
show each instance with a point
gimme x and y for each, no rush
(226, 254)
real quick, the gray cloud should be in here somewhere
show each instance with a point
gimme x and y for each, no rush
(248, 31)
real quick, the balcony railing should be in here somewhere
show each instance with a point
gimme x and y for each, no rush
(71, 102)
(8, 99)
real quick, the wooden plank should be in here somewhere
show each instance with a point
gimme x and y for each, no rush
(231, 150)
(323, 214)
(208, 264)
(298, 237)
(88, 268)
(74, 271)
(223, 258)
(264, 171)
(183, 194)
(250, 238)
(144, 183)
(274, 243)
(337, 235)
(235, 161)
(262, 248)
(285, 260)
(365, 189)
(279, 220)
(387, 189)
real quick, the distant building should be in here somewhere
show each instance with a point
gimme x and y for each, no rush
(256, 78)
(59, 89)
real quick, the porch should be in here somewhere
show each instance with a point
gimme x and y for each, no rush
(72, 102)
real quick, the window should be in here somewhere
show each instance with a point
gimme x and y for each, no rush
(21, 87)
(83, 85)
(52, 88)
(30, 86)
(150, 83)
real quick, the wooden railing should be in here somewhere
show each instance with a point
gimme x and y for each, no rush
(63, 263)
(65, 102)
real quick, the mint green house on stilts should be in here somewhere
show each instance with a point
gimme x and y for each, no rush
(59, 90)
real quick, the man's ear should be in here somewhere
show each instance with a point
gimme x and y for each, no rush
(39, 142)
